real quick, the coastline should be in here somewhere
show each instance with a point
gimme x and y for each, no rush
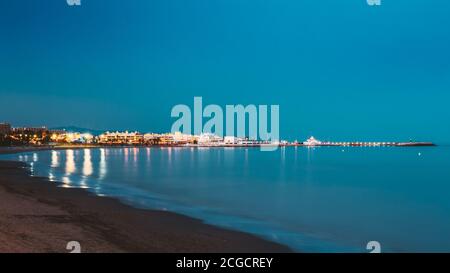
(23, 149)
(38, 216)
(26, 149)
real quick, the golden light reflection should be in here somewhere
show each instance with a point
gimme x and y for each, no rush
(51, 177)
(135, 154)
(102, 168)
(70, 162)
(55, 159)
(83, 184)
(148, 158)
(125, 154)
(66, 182)
(169, 154)
(87, 163)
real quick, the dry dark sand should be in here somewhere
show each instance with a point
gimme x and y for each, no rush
(38, 216)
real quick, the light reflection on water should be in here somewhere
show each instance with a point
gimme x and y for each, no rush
(318, 199)
(102, 165)
(70, 162)
(87, 163)
(55, 159)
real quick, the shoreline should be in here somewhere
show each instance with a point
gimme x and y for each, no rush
(23, 149)
(38, 216)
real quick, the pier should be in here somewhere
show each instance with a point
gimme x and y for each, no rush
(314, 142)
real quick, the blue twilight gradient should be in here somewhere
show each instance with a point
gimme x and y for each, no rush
(339, 69)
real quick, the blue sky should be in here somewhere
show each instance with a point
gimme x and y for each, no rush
(340, 70)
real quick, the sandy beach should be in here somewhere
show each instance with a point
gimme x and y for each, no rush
(38, 216)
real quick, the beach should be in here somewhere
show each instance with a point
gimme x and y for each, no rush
(38, 216)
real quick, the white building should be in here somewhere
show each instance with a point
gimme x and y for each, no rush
(184, 138)
(312, 142)
(121, 138)
(209, 139)
(232, 140)
(151, 137)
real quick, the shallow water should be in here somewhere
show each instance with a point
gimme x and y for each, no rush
(325, 199)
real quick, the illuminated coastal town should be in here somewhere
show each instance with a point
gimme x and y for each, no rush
(38, 136)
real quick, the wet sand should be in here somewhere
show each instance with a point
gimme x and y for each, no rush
(38, 216)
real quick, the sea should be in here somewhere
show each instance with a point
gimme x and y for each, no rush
(317, 199)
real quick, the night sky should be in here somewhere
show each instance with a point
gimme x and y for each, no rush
(340, 70)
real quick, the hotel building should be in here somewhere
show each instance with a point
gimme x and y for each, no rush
(5, 128)
(32, 135)
(209, 139)
(131, 138)
(30, 130)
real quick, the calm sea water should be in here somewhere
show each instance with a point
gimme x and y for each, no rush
(325, 199)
